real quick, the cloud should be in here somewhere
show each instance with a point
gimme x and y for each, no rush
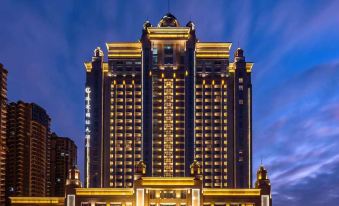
(320, 190)
(298, 134)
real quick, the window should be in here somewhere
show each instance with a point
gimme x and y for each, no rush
(155, 56)
(168, 50)
(241, 80)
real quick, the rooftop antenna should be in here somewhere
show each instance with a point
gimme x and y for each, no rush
(238, 44)
(261, 160)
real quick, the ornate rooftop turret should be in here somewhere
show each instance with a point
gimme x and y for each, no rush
(263, 182)
(147, 24)
(239, 55)
(196, 169)
(140, 170)
(73, 180)
(98, 52)
(168, 21)
(191, 25)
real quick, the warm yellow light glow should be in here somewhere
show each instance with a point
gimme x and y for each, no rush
(135, 50)
(168, 35)
(230, 192)
(123, 45)
(214, 44)
(124, 49)
(37, 200)
(168, 30)
(104, 191)
(218, 55)
(148, 181)
(124, 55)
(88, 66)
(231, 68)
(140, 197)
(213, 49)
(195, 197)
(168, 127)
(105, 67)
(249, 66)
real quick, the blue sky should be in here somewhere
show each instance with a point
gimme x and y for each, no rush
(294, 44)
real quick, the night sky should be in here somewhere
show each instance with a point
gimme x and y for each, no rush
(294, 44)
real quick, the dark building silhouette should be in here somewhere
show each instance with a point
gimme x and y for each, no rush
(28, 158)
(168, 99)
(3, 126)
(63, 153)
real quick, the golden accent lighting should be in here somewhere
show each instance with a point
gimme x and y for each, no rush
(37, 200)
(161, 181)
(104, 191)
(88, 66)
(213, 50)
(124, 50)
(230, 192)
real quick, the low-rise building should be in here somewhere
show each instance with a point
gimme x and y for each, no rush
(158, 191)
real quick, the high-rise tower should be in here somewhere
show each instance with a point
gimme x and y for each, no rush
(3, 127)
(168, 99)
(63, 156)
(27, 165)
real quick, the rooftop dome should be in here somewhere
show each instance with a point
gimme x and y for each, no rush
(239, 52)
(262, 173)
(147, 24)
(168, 21)
(190, 24)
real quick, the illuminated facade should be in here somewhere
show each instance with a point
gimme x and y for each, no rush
(168, 99)
(63, 156)
(27, 166)
(155, 191)
(3, 126)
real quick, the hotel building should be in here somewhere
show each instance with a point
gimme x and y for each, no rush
(168, 99)
(3, 126)
(27, 166)
(157, 191)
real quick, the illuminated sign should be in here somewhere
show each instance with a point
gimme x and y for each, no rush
(87, 129)
(88, 112)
